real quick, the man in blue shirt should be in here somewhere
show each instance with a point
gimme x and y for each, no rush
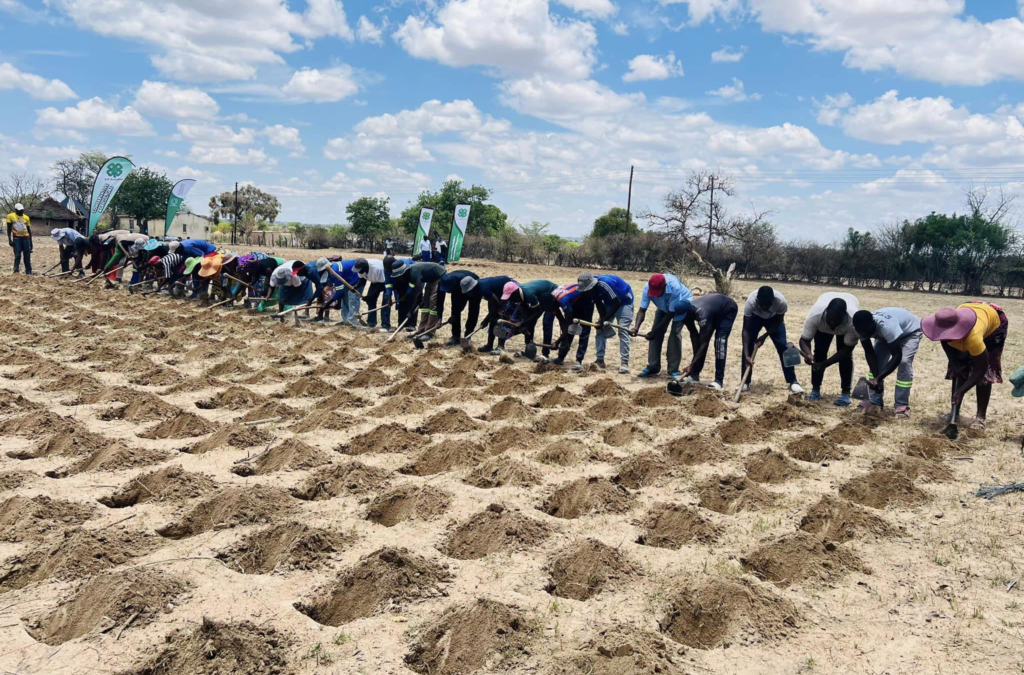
(572, 305)
(344, 298)
(673, 302)
(196, 248)
(897, 334)
(613, 299)
(477, 290)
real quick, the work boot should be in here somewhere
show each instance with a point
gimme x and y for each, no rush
(599, 363)
(577, 367)
(486, 349)
(454, 342)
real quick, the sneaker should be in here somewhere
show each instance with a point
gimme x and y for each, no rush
(485, 349)
(541, 359)
(384, 330)
(674, 375)
(843, 401)
(647, 372)
(903, 412)
(577, 367)
(454, 342)
(557, 361)
(716, 385)
(410, 329)
(599, 363)
(813, 396)
(795, 388)
(624, 370)
(746, 388)
(689, 380)
(495, 352)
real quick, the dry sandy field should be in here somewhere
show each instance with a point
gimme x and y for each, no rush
(185, 491)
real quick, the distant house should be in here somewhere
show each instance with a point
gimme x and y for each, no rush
(49, 215)
(184, 225)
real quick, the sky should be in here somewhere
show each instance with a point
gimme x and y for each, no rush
(830, 114)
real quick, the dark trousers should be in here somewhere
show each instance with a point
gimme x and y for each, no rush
(459, 304)
(563, 349)
(374, 292)
(67, 254)
(721, 341)
(754, 325)
(494, 310)
(822, 343)
(22, 249)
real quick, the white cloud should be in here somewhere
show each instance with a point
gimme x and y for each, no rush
(734, 92)
(621, 28)
(926, 39)
(728, 55)
(395, 176)
(703, 10)
(322, 86)
(227, 155)
(285, 137)
(166, 100)
(552, 100)
(830, 111)
(789, 139)
(891, 120)
(602, 9)
(433, 117)
(393, 149)
(96, 114)
(211, 41)
(516, 37)
(35, 86)
(367, 31)
(215, 134)
(648, 67)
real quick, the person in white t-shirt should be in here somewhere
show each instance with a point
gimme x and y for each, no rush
(377, 289)
(830, 318)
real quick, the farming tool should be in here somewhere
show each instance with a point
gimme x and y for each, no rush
(862, 392)
(750, 367)
(952, 430)
(399, 330)
(374, 311)
(104, 273)
(50, 270)
(466, 342)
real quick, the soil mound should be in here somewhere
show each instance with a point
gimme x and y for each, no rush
(395, 406)
(838, 520)
(784, 417)
(459, 379)
(12, 480)
(114, 457)
(307, 387)
(268, 375)
(585, 496)
(386, 361)
(351, 478)
(384, 439)
(621, 650)
(235, 436)
(694, 450)
(915, 467)
(674, 525)
(183, 425)
(510, 438)
(233, 398)
(800, 556)
(371, 377)
(654, 397)
(408, 502)
(559, 397)
(509, 408)
(815, 449)
(612, 409)
(882, 487)
(558, 423)
(423, 370)
(506, 374)
(341, 399)
(562, 452)
(333, 369)
(330, 420)
(232, 507)
(76, 554)
(291, 360)
(171, 483)
(706, 404)
(413, 386)
(233, 366)
(108, 601)
(288, 546)
(624, 433)
(219, 648)
(22, 518)
(271, 410)
(382, 579)
(501, 471)
(73, 441)
(722, 611)
(929, 447)
(604, 388)
(466, 638)
(732, 494)
(445, 456)
(510, 388)
(36, 424)
(291, 455)
(851, 432)
(142, 407)
(769, 466)
(642, 470)
(203, 352)
(449, 421)
(586, 568)
(496, 529)
(739, 430)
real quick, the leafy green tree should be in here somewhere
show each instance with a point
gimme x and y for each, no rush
(370, 217)
(143, 196)
(614, 222)
(484, 218)
(254, 206)
(535, 229)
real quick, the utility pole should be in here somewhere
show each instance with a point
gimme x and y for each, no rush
(629, 201)
(711, 215)
(234, 223)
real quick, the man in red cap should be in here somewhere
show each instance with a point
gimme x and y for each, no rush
(673, 302)
(972, 335)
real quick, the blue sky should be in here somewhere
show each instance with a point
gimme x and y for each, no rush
(830, 113)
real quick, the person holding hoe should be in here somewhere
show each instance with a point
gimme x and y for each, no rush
(673, 302)
(712, 317)
(897, 335)
(19, 237)
(416, 286)
(67, 239)
(613, 299)
(378, 288)
(766, 310)
(831, 317)
(972, 336)
(476, 291)
(526, 304)
(451, 284)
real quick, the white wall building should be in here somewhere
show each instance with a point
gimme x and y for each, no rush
(185, 225)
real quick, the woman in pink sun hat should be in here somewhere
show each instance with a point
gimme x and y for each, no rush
(972, 335)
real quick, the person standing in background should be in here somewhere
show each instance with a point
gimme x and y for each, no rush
(19, 237)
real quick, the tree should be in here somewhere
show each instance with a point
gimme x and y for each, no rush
(21, 188)
(370, 217)
(74, 176)
(254, 206)
(143, 196)
(535, 229)
(616, 221)
(484, 219)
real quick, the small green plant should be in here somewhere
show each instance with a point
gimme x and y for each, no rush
(342, 638)
(321, 655)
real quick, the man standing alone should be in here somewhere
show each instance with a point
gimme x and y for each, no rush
(19, 237)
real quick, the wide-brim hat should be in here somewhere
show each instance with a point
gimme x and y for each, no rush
(586, 281)
(191, 263)
(151, 245)
(210, 265)
(1017, 380)
(949, 324)
(400, 268)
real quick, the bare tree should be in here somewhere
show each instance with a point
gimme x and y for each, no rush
(994, 205)
(22, 188)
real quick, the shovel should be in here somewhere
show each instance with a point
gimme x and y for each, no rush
(466, 342)
(952, 430)
(749, 369)
(417, 339)
(861, 392)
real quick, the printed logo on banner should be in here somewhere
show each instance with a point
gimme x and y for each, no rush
(463, 213)
(115, 170)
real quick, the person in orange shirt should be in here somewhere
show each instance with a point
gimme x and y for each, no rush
(972, 335)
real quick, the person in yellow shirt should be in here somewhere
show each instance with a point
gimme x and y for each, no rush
(972, 335)
(19, 237)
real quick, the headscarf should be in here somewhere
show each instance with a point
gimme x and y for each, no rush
(250, 259)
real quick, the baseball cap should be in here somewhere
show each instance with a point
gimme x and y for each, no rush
(468, 284)
(510, 288)
(19, 207)
(656, 286)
